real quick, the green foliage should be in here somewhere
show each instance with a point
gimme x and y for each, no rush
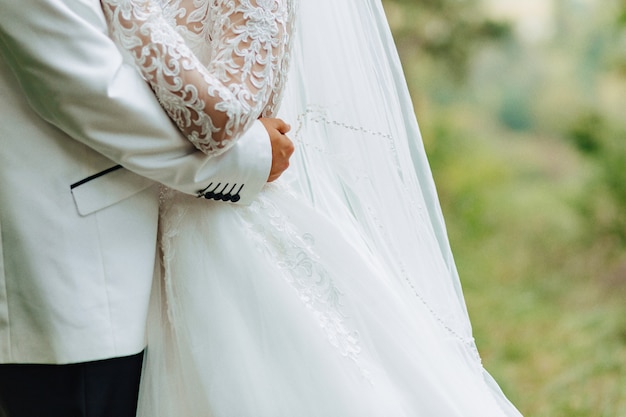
(445, 31)
(527, 142)
(587, 133)
(621, 19)
(603, 143)
(514, 111)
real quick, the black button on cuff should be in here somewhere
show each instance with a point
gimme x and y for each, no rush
(221, 195)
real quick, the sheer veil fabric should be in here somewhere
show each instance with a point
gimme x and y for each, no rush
(335, 294)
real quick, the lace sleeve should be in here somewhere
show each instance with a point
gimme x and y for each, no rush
(211, 105)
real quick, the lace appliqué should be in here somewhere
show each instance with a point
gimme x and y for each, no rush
(190, 18)
(294, 253)
(172, 212)
(245, 68)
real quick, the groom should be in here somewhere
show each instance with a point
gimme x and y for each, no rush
(83, 143)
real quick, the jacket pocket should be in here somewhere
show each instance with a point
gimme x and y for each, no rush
(106, 188)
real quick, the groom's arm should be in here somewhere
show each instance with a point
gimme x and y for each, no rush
(74, 77)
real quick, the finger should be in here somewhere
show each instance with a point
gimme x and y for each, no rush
(282, 126)
(289, 146)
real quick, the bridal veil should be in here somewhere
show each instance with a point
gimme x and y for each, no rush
(360, 156)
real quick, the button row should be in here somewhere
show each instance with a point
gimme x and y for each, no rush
(221, 193)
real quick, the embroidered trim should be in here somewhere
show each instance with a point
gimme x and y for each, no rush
(318, 115)
(294, 252)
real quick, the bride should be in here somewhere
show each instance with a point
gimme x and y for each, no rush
(334, 293)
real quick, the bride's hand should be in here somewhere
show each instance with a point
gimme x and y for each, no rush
(282, 146)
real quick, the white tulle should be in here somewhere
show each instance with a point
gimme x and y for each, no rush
(335, 293)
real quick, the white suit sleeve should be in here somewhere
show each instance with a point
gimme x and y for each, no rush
(73, 75)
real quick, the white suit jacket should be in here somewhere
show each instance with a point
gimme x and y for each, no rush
(78, 232)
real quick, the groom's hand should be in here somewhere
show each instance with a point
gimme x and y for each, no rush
(282, 146)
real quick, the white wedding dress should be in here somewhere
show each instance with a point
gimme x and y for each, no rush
(334, 294)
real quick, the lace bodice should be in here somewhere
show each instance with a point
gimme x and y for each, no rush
(215, 65)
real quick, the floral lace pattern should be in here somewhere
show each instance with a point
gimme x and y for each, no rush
(244, 67)
(190, 18)
(294, 253)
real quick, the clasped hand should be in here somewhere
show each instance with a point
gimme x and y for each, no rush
(282, 146)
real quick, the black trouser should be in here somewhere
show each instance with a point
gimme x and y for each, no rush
(106, 388)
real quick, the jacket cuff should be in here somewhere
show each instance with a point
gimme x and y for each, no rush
(253, 152)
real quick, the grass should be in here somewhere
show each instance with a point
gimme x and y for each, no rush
(550, 325)
(527, 214)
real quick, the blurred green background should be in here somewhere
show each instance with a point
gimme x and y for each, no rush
(522, 105)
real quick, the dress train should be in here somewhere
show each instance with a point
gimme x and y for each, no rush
(272, 310)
